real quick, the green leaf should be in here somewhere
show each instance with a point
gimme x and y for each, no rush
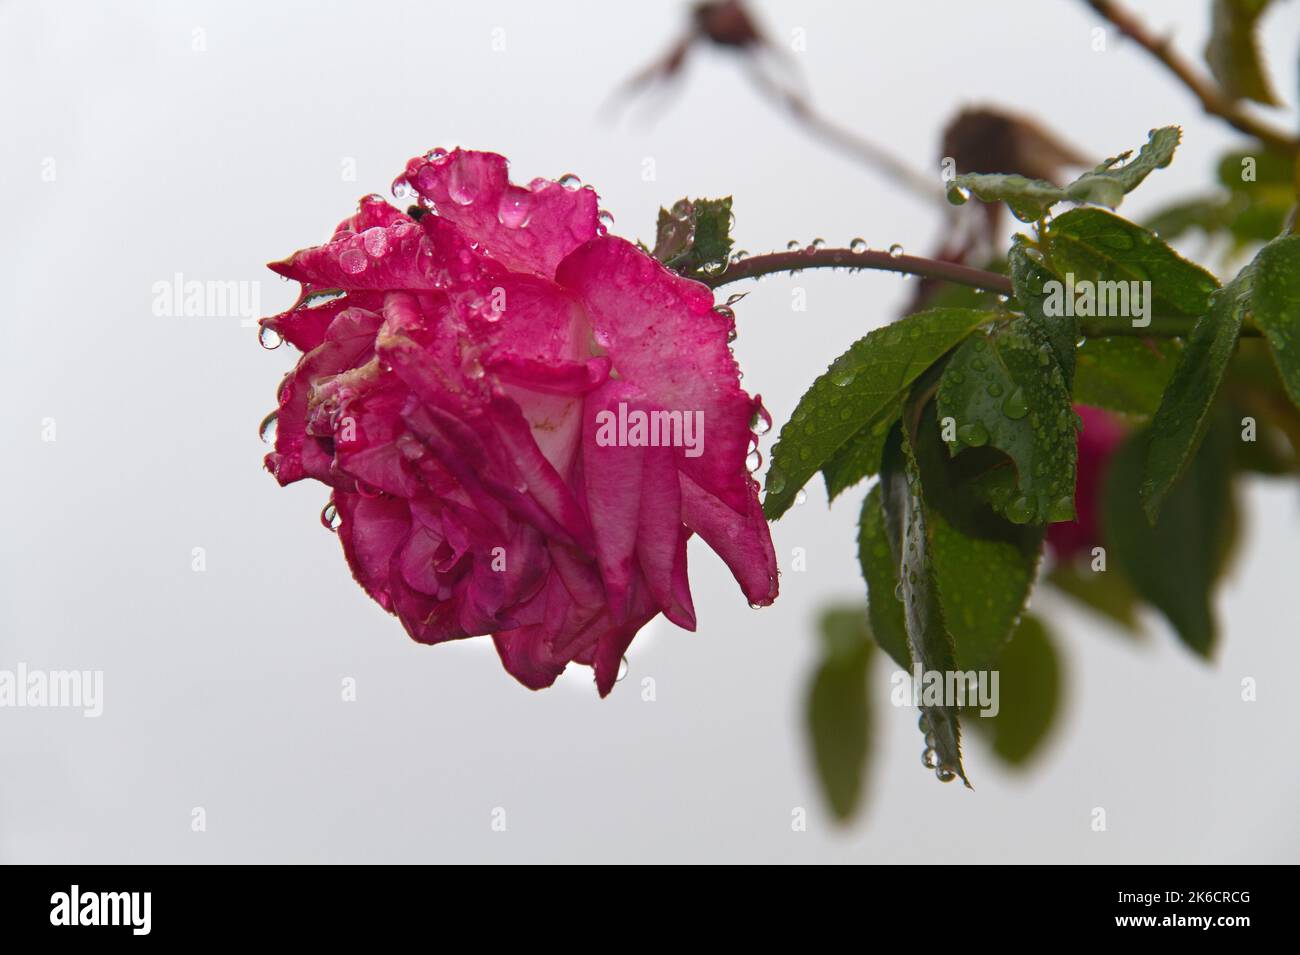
(859, 458)
(839, 718)
(695, 236)
(884, 609)
(1125, 374)
(928, 640)
(862, 384)
(1173, 565)
(1093, 245)
(1104, 592)
(983, 565)
(1181, 419)
(1029, 694)
(1233, 50)
(1029, 281)
(1275, 305)
(1005, 389)
(1105, 185)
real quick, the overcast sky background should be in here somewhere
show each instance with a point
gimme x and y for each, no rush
(222, 688)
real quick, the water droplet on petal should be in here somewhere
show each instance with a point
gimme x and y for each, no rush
(944, 774)
(793, 245)
(753, 461)
(895, 251)
(514, 211)
(606, 221)
(353, 261)
(722, 311)
(269, 338)
(570, 181)
(329, 517)
(858, 246)
(376, 242)
(266, 430)
(622, 670)
(930, 759)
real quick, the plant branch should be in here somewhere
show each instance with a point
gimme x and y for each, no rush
(1213, 100)
(800, 259)
(863, 149)
(1161, 326)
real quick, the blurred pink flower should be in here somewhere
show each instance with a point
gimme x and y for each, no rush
(1100, 437)
(457, 367)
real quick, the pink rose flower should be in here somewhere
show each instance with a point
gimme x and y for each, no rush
(1100, 437)
(471, 386)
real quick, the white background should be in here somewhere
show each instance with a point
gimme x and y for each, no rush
(222, 689)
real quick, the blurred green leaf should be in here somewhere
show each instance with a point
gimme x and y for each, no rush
(1029, 695)
(1105, 185)
(885, 610)
(1125, 374)
(1233, 50)
(1181, 419)
(839, 717)
(1005, 389)
(1105, 592)
(1275, 306)
(1174, 564)
(859, 387)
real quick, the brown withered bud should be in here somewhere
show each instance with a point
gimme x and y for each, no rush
(726, 23)
(988, 140)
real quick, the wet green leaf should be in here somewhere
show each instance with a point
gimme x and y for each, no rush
(859, 387)
(928, 640)
(1004, 389)
(1275, 305)
(1125, 374)
(694, 236)
(1031, 284)
(1095, 246)
(859, 458)
(983, 565)
(885, 610)
(1105, 185)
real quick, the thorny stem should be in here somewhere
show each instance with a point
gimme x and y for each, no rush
(799, 259)
(1161, 326)
(1213, 100)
